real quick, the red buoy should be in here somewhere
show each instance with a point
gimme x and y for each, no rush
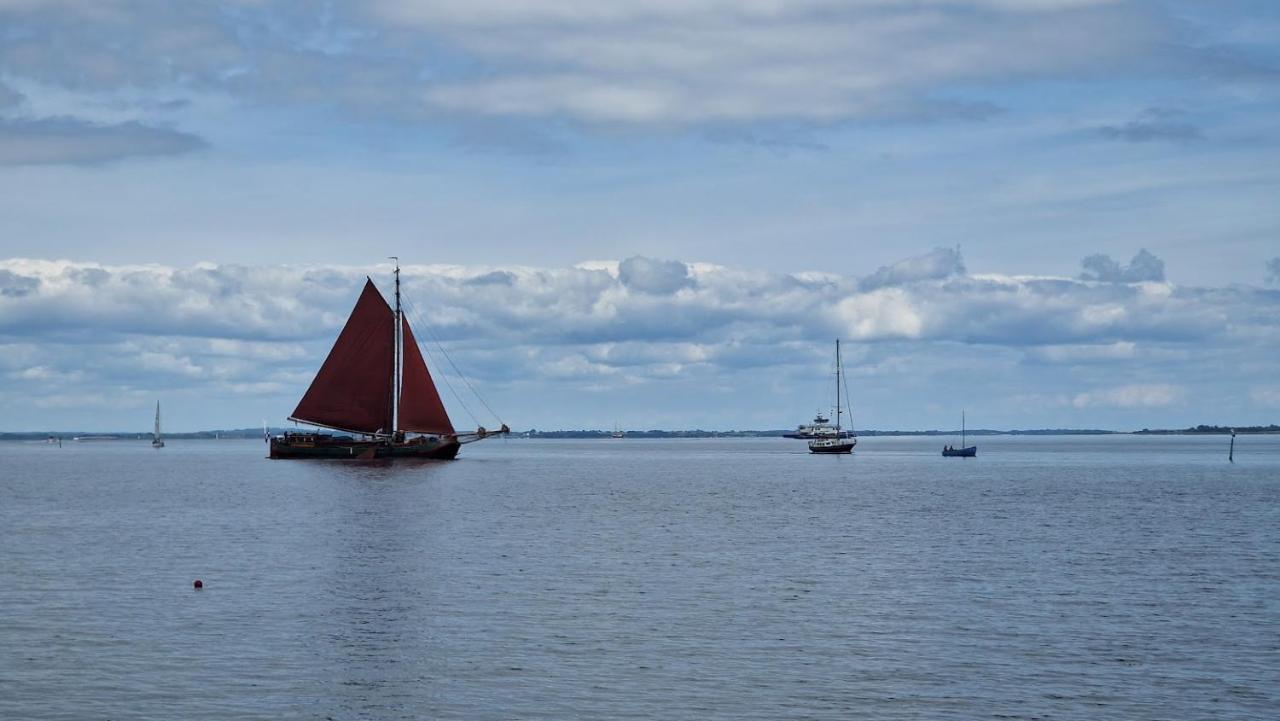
(198, 584)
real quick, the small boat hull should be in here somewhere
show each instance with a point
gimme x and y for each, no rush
(969, 452)
(346, 448)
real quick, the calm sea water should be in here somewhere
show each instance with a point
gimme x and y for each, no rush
(1051, 578)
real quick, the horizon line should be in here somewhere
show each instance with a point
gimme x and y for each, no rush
(743, 431)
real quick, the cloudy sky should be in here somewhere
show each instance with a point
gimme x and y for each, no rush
(652, 212)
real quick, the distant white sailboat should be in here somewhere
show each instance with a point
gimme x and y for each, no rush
(156, 440)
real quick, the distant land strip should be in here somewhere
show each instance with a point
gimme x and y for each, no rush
(242, 433)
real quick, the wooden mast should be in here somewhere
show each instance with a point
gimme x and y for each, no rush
(397, 367)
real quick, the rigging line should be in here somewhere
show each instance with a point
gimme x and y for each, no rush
(431, 332)
(422, 324)
(420, 320)
(847, 403)
(443, 376)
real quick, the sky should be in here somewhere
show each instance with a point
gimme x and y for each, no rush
(660, 214)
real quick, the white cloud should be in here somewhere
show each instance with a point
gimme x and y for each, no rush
(645, 61)
(263, 313)
(648, 275)
(51, 141)
(1145, 267)
(1102, 353)
(938, 264)
(630, 61)
(881, 313)
(1156, 395)
(45, 374)
(228, 330)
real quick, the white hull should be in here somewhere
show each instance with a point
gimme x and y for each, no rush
(832, 445)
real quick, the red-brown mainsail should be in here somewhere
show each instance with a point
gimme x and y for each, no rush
(352, 391)
(374, 383)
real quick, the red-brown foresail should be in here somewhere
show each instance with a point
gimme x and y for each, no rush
(421, 410)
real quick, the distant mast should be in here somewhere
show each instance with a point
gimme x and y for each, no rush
(837, 387)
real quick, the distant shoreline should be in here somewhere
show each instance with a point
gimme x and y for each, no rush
(256, 433)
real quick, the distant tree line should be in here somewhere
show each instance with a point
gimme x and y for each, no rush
(778, 433)
(1212, 429)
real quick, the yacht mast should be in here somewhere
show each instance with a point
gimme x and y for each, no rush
(837, 387)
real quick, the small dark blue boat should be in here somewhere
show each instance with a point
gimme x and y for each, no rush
(962, 451)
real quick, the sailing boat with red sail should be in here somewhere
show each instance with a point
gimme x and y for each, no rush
(375, 386)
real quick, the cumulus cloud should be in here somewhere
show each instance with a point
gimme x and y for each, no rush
(15, 285)
(940, 263)
(659, 277)
(881, 313)
(1157, 395)
(636, 300)
(236, 330)
(205, 301)
(1143, 267)
(71, 141)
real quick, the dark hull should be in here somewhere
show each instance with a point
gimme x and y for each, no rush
(970, 452)
(841, 448)
(342, 449)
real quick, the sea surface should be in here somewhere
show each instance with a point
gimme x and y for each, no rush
(1099, 577)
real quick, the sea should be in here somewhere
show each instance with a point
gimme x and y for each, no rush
(1051, 577)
